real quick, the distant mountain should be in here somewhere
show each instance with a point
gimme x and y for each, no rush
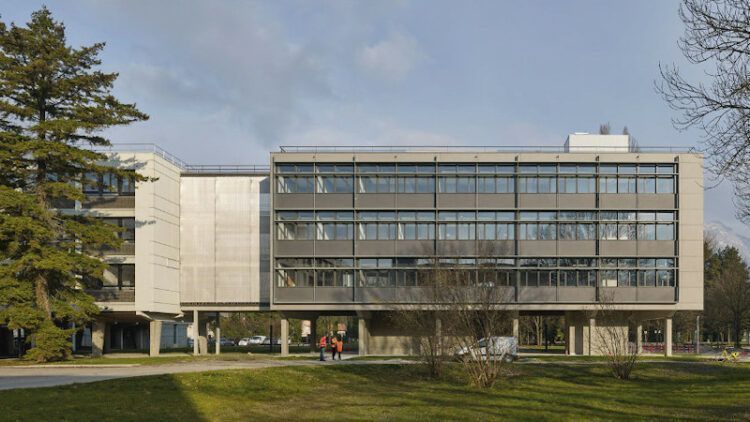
(724, 236)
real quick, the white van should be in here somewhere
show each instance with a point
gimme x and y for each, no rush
(499, 347)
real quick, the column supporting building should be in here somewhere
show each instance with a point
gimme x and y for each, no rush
(284, 337)
(196, 333)
(668, 336)
(364, 336)
(217, 334)
(98, 330)
(639, 336)
(154, 336)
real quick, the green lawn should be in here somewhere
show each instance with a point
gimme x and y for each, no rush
(550, 391)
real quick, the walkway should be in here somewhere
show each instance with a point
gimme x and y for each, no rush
(34, 376)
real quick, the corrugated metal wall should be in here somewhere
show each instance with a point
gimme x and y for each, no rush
(224, 239)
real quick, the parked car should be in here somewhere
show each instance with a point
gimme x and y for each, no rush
(226, 342)
(267, 341)
(244, 342)
(505, 347)
(256, 340)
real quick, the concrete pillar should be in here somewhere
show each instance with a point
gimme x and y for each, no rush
(196, 334)
(217, 333)
(667, 336)
(204, 329)
(154, 335)
(364, 337)
(571, 338)
(98, 329)
(284, 337)
(639, 336)
(313, 335)
(515, 329)
(592, 348)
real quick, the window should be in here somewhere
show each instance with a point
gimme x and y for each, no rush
(294, 184)
(626, 185)
(416, 185)
(586, 185)
(295, 278)
(537, 185)
(457, 184)
(334, 278)
(377, 184)
(117, 276)
(295, 231)
(646, 185)
(665, 232)
(646, 232)
(626, 278)
(665, 185)
(335, 184)
(335, 231)
(609, 278)
(109, 183)
(495, 185)
(578, 278)
(127, 226)
(608, 184)
(377, 231)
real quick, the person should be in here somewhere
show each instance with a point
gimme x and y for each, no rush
(334, 346)
(322, 345)
(340, 347)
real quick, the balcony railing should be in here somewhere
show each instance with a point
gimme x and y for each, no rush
(113, 295)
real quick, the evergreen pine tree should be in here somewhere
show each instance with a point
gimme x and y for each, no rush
(54, 103)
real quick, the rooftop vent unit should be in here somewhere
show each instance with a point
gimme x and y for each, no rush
(586, 142)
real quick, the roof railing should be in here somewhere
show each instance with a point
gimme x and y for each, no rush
(475, 148)
(228, 168)
(143, 147)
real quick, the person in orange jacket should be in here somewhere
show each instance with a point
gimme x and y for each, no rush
(322, 345)
(334, 347)
(340, 347)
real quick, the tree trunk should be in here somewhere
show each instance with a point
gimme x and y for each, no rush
(42, 296)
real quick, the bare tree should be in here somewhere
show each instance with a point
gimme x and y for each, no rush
(605, 129)
(461, 311)
(717, 37)
(611, 340)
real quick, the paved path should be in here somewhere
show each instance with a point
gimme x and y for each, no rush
(49, 376)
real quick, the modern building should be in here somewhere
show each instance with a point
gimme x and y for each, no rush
(352, 231)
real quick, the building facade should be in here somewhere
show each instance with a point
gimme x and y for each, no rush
(356, 231)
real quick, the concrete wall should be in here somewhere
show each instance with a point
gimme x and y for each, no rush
(690, 233)
(224, 239)
(156, 212)
(157, 253)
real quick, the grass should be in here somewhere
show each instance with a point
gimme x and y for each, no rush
(674, 390)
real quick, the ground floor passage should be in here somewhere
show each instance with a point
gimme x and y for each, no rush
(378, 334)
(374, 333)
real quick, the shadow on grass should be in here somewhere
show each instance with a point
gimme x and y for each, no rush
(159, 397)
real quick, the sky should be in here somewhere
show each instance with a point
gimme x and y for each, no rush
(226, 82)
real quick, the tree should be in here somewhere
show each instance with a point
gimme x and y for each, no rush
(53, 106)
(605, 129)
(716, 37)
(728, 295)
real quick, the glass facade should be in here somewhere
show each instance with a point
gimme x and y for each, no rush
(632, 248)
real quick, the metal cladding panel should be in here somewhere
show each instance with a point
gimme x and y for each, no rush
(236, 260)
(225, 239)
(197, 239)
